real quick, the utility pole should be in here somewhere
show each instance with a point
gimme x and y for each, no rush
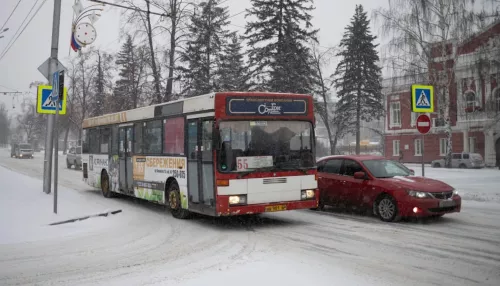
(54, 49)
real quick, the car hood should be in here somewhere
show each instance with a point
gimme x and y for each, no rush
(419, 184)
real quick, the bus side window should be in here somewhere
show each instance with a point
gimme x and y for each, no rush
(138, 138)
(85, 141)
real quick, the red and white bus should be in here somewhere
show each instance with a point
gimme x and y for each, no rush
(219, 154)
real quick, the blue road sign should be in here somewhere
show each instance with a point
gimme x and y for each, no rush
(422, 98)
(55, 85)
(45, 102)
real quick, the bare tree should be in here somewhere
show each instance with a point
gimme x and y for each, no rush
(320, 60)
(144, 21)
(423, 35)
(177, 29)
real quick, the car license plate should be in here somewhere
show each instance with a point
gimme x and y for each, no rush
(447, 203)
(276, 208)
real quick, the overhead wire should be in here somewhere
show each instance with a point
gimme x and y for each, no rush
(10, 15)
(27, 24)
(19, 28)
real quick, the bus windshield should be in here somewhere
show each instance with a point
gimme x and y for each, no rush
(251, 145)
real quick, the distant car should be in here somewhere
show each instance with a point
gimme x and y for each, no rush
(462, 161)
(74, 157)
(21, 151)
(383, 186)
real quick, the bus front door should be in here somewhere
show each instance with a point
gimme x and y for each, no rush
(125, 155)
(200, 164)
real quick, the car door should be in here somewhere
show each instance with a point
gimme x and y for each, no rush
(329, 181)
(456, 160)
(351, 188)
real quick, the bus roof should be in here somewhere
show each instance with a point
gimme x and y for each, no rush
(194, 104)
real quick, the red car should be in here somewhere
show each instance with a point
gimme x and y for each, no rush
(385, 186)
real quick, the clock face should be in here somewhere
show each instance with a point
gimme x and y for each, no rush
(85, 34)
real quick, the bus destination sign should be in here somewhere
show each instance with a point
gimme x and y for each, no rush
(266, 106)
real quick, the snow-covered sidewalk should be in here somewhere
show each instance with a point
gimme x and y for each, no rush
(26, 211)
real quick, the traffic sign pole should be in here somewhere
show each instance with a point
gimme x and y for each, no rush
(423, 126)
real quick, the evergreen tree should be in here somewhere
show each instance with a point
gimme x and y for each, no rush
(233, 74)
(203, 53)
(131, 62)
(357, 77)
(278, 40)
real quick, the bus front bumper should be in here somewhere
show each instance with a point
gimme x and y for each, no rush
(226, 210)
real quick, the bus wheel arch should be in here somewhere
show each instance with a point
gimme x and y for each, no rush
(173, 199)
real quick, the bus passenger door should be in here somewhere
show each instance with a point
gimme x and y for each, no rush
(125, 155)
(200, 163)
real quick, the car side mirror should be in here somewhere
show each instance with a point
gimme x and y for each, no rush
(360, 175)
(412, 172)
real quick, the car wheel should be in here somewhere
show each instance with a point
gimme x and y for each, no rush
(68, 165)
(462, 166)
(436, 165)
(106, 191)
(387, 209)
(174, 202)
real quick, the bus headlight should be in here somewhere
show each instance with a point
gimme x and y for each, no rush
(306, 194)
(238, 200)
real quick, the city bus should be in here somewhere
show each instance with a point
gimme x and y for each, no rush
(219, 154)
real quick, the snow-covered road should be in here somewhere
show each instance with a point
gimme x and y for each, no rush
(144, 245)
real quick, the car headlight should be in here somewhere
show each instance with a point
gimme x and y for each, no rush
(238, 200)
(307, 194)
(418, 194)
(455, 192)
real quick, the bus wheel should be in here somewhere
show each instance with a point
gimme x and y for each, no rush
(174, 201)
(106, 192)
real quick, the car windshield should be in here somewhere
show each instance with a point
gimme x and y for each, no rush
(476, 156)
(251, 145)
(25, 146)
(386, 168)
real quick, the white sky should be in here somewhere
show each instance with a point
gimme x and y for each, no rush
(18, 68)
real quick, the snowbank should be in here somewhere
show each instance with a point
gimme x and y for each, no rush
(26, 211)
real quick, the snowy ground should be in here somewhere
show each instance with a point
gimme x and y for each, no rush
(144, 245)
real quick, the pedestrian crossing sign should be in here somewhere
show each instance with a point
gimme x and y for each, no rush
(422, 98)
(45, 104)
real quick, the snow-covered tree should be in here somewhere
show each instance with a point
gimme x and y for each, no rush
(131, 63)
(205, 47)
(278, 41)
(358, 76)
(102, 84)
(233, 73)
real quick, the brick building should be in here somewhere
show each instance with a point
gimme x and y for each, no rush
(474, 104)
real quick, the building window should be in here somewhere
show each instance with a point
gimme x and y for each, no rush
(418, 147)
(443, 146)
(173, 136)
(395, 148)
(470, 101)
(414, 116)
(472, 144)
(395, 114)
